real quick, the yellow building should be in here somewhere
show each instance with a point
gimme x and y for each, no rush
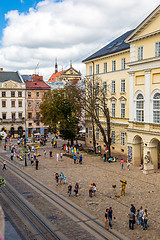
(130, 68)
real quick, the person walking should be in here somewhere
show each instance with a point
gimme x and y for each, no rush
(57, 178)
(145, 219)
(61, 177)
(29, 158)
(128, 165)
(122, 164)
(141, 212)
(94, 189)
(32, 161)
(76, 189)
(74, 158)
(106, 218)
(12, 154)
(44, 154)
(50, 154)
(37, 163)
(70, 189)
(80, 159)
(138, 218)
(90, 190)
(61, 155)
(5, 145)
(131, 217)
(4, 165)
(57, 157)
(110, 215)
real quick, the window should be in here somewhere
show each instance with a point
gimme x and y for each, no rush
(140, 108)
(140, 53)
(156, 108)
(105, 87)
(104, 109)
(122, 110)
(37, 94)
(3, 115)
(113, 110)
(29, 104)
(20, 115)
(45, 94)
(3, 94)
(29, 115)
(3, 103)
(113, 136)
(113, 86)
(13, 116)
(97, 134)
(157, 49)
(97, 68)
(19, 103)
(89, 88)
(105, 67)
(87, 130)
(37, 104)
(90, 132)
(97, 109)
(19, 94)
(90, 70)
(13, 104)
(114, 65)
(30, 124)
(123, 63)
(12, 94)
(97, 88)
(123, 86)
(37, 115)
(123, 138)
(29, 94)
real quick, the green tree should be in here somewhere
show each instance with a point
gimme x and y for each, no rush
(61, 111)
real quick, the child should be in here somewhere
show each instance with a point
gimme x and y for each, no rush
(122, 162)
(138, 218)
(128, 164)
(64, 182)
(61, 155)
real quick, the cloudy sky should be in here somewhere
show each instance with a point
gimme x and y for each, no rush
(34, 33)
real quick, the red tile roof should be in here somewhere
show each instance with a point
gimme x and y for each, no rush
(54, 75)
(39, 84)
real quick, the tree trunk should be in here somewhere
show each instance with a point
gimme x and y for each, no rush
(72, 142)
(94, 139)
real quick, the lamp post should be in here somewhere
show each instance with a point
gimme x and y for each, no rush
(25, 152)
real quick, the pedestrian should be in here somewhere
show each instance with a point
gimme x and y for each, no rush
(32, 161)
(50, 154)
(12, 154)
(80, 159)
(122, 163)
(128, 165)
(32, 148)
(141, 212)
(29, 158)
(44, 154)
(131, 217)
(61, 155)
(10, 147)
(61, 177)
(57, 178)
(138, 218)
(94, 189)
(74, 158)
(57, 157)
(145, 219)
(5, 146)
(37, 163)
(76, 189)
(133, 209)
(64, 182)
(110, 215)
(70, 189)
(4, 165)
(34, 157)
(90, 190)
(106, 218)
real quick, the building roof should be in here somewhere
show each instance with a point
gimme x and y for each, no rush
(27, 77)
(54, 75)
(116, 45)
(37, 85)
(6, 76)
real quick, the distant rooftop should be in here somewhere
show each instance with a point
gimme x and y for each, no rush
(6, 76)
(115, 46)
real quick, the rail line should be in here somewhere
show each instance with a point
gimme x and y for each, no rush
(91, 224)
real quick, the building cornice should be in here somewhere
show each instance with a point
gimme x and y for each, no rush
(148, 60)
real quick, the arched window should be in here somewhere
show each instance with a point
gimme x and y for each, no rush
(140, 108)
(156, 108)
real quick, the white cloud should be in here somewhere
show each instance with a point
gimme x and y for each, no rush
(71, 29)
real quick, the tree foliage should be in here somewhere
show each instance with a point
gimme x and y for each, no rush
(61, 110)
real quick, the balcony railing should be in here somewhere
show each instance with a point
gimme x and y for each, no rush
(12, 120)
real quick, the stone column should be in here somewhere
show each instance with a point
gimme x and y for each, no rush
(131, 96)
(147, 112)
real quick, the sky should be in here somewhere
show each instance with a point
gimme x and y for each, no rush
(34, 33)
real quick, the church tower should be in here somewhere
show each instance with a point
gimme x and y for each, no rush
(56, 66)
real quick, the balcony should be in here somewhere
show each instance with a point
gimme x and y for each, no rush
(12, 120)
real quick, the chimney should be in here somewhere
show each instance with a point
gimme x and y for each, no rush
(1, 69)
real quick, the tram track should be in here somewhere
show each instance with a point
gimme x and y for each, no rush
(86, 221)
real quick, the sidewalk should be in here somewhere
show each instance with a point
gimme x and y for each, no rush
(141, 189)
